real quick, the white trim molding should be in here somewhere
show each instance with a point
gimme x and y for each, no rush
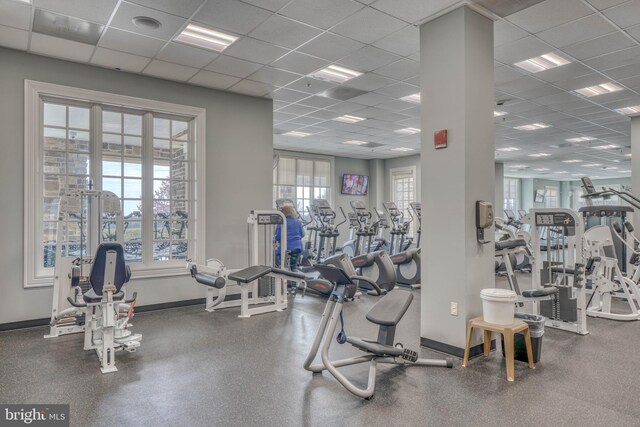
(34, 92)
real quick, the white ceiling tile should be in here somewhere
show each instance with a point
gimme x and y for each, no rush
(130, 43)
(370, 99)
(305, 120)
(400, 70)
(60, 48)
(182, 8)
(548, 14)
(15, 14)
(604, 4)
(632, 83)
(368, 59)
(297, 109)
(520, 50)
(412, 10)
(318, 101)
(504, 74)
(523, 83)
(167, 70)
(399, 90)
(123, 20)
(555, 99)
(300, 63)
(577, 31)
(272, 5)
(233, 67)
(310, 85)
(537, 92)
(506, 32)
(231, 15)
(625, 15)
(565, 72)
(403, 42)
(213, 80)
(186, 55)
(288, 95)
(599, 46)
(90, 10)
(248, 87)
(345, 108)
(274, 76)
(284, 32)
(368, 26)
(414, 81)
(322, 14)
(369, 82)
(323, 114)
(114, 59)
(14, 38)
(331, 46)
(615, 59)
(582, 82)
(255, 50)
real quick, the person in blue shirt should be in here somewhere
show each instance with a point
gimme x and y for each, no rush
(295, 233)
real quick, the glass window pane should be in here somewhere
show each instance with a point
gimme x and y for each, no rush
(322, 173)
(179, 130)
(179, 190)
(78, 164)
(132, 168)
(78, 117)
(112, 184)
(132, 124)
(161, 209)
(161, 189)
(179, 170)
(132, 209)
(161, 128)
(162, 148)
(78, 141)
(132, 146)
(304, 172)
(54, 139)
(132, 188)
(55, 115)
(111, 122)
(179, 249)
(54, 162)
(112, 168)
(179, 150)
(161, 169)
(162, 230)
(111, 144)
(286, 171)
(53, 185)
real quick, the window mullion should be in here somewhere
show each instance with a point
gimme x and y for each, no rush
(147, 189)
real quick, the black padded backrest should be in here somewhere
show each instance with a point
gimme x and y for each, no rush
(99, 263)
(390, 309)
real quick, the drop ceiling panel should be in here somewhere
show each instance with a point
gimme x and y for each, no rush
(231, 15)
(368, 59)
(317, 101)
(399, 90)
(520, 50)
(581, 30)
(548, 14)
(255, 50)
(523, 83)
(170, 24)
(369, 82)
(400, 70)
(331, 46)
(368, 25)
(15, 14)
(114, 59)
(248, 87)
(285, 32)
(274, 76)
(272, 5)
(625, 15)
(233, 67)
(615, 59)
(323, 14)
(288, 95)
(214, 80)
(565, 72)
(403, 42)
(60, 48)
(300, 63)
(186, 55)
(505, 32)
(310, 85)
(14, 38)
(182, 8)
(599, 46)
(412, 10)
(90, 10)
(167, 70)
(131, 43)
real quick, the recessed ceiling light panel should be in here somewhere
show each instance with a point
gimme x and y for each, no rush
(539, 155)
(408, 131)
(497, 113)
(414, 99)
(532, 126)
(508, 149)
(542, 63)
(206, 38)
(355, 142)
(580, 139)
(349, 119)
(600, 89)
(296, 134)
(336, 74)
(629, 111)
(402, 149)
(66, 27)
(605, 147)
(572, 161)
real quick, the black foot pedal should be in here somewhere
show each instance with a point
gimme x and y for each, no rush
(410, 355)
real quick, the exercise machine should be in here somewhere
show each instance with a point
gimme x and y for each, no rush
(399, 229)
(407, 262)
(386, 314)
(416, 207)
(349, 247)
(263, 284)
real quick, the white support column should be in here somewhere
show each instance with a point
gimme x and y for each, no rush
(456, 54)
(499, 190)
(635, 168)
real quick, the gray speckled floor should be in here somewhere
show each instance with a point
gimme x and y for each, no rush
(201, 369)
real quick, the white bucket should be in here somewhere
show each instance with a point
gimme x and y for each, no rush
(498, 306)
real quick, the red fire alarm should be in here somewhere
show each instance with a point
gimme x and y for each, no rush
(440, 139)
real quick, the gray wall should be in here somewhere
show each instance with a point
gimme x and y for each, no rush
(345, 165)
(238, 165)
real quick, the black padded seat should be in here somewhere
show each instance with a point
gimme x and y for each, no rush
(510, 244)
(293, 274)
(249, 274)
(363, 260)
(374, 347)
(404, 257)
(390, 309)
(90, 297)
(539, 293)
(210, 280)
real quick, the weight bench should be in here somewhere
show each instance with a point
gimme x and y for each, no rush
(386, 313)
(248, 279)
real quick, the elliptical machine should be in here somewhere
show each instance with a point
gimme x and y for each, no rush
(407, 263)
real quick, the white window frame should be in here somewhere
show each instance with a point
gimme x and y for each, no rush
(517, 194)
(34, 92)
(305, 156)
(402, 172)
(548, 189)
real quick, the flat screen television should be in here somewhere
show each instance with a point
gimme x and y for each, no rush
(355, 185)
(540, 195)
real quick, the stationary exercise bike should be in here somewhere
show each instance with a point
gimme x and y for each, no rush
(407, 263)
(386, 313)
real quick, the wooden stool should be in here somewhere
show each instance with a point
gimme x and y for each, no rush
(508, 332)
